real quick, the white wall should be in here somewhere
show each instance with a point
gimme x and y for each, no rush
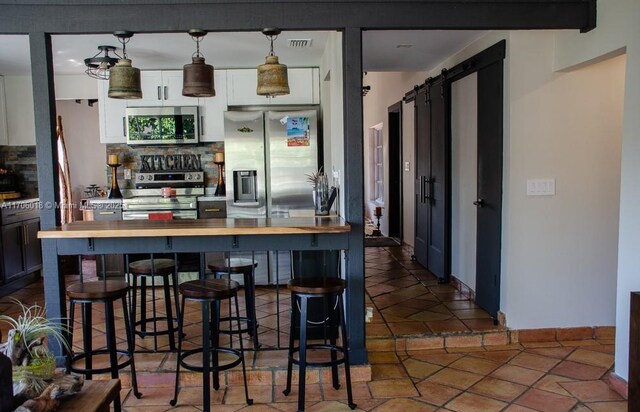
(332, 113)
(464, 178)
(85, 152)
(618, 29)
(560, 252)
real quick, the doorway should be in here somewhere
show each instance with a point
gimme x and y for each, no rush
(394, 209)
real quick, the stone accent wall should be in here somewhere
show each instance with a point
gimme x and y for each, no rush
(130, 158)
(22, 160)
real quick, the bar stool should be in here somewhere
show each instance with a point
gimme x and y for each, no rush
(301, 291)
(165, 268)
(209, 292)
(106, 292)
(245, 267)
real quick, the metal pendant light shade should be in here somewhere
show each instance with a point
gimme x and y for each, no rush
(197, 77)
(98, 66)
(272, 76)
(124, 79)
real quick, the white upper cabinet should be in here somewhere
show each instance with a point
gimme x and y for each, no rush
(162, 88)
(212, 110)
(4, 136)
(303, 83)
(112, 116)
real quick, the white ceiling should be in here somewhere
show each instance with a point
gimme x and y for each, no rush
(241, 50)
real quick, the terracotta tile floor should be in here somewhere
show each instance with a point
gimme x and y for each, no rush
(407, 300)
(552, 376)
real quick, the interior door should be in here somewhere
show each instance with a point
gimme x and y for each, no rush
(489, 202)
(422, 123)
(437, 185)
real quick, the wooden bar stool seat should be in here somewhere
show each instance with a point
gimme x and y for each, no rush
(244, 267)
(209, 293)
(140, 270)
(330, 290)
(107, 292)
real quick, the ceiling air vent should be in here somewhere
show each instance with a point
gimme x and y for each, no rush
(299, 43)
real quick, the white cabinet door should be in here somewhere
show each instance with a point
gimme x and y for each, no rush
(112, 116)
(4, 133)
(212, 110)
(151, 85)
(303, 84)
(172, 90)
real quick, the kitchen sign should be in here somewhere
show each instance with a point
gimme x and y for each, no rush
(151, 163)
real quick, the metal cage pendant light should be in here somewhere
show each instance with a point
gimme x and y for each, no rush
(124, 79)
(98, 65)
(272, 76)
(197, 77)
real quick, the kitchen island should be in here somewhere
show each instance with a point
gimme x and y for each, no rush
(197, 236)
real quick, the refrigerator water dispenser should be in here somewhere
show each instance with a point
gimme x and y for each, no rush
(245, 186)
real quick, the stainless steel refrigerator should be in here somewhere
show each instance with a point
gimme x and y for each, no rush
(268, 157)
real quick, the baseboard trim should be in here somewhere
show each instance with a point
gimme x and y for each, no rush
(619, 385)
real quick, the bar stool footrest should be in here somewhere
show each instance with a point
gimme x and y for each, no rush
(244, 319)
(144, 334)
(214, 352)
(322, 347)
(98, 371)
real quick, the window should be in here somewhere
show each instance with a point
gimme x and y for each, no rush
(377, 164)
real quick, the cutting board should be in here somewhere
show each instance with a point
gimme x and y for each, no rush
(9, 195)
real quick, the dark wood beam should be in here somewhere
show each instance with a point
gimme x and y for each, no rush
(44, 103)
(83, 16)
(354, 189)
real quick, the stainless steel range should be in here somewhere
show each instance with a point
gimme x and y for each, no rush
(147, 198)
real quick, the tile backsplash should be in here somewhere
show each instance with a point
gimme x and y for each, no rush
(22, 160)
(130, 158)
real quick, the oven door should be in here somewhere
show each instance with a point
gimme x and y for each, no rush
(144, 214)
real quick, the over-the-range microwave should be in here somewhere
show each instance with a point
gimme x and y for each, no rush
(162, 125)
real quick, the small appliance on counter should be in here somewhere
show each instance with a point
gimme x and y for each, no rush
(8, 185)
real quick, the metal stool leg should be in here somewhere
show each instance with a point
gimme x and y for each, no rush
(302, 367)
(86, 338)
(111, 347)
(143, 304)
(292, 330)
(250, 307)
(345, 346)
(180, 335)
(244, 371)
(134, 307)
(130, 348)
(167, 304)
(332, 341)
(206, 357)
(215, 341)
(72, 319)
(153, 305)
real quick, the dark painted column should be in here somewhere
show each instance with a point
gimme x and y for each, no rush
(47, 154)
(354, 190)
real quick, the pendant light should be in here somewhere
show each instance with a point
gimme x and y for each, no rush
(272, 76)
(197, 77)
(124, 79)
(98, 66)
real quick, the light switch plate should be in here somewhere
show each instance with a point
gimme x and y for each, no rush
(407, 166)
(127, 174)
(541, 187)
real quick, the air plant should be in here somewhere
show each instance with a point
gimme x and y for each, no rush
(315, 177)
(33, 364)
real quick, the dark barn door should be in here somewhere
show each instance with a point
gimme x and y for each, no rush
(422, 162)
(432, 239)
(394, 210)
(489, 202)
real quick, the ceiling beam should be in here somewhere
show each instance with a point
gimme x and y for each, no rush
(153, 16)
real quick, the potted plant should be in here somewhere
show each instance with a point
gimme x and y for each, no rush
(33, 365)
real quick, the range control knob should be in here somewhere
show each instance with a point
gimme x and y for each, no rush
(189, 176)
(198, 177)
(140, 177)
(150, 177)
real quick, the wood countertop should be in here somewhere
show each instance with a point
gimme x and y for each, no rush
(199, 227)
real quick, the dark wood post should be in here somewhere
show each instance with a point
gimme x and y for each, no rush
(634, 353)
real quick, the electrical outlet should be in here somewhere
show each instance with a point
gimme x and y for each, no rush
(127, 174)
(541, 187)
(368, 317)
(407, 166)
